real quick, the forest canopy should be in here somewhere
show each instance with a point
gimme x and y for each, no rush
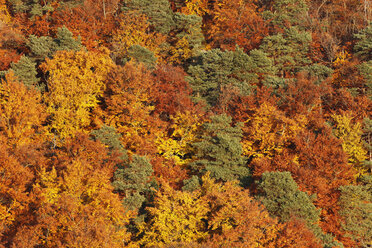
(185, 123)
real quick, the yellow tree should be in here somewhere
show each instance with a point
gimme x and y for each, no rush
(76, 80)
(134, 29)
(351, 136)
(183, 132)
(268, 131)
(196, 7)
(21, 111)
(4, 13)
(176, 217)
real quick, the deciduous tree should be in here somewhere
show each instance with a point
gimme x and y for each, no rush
(76, 80)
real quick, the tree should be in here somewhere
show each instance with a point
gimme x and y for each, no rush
(92, 20)
(219, 151)
(4, 13)
(183, 130)
(351, 136)
(25, 70)
(235, 23)
(14, 194)
(45, 46)
(131, 176)
(363, 46)
(289, 50)
(282, 197)
(295, 233)
(111, 139)
(22, 112)
(286, 13)
(215, 69)
(267, 132)
(74, 204)
(33, 8)
(183, 32)
(171, 92)
(11, 38)
(159, 13)
(196, 7)
(128, 106)
(131, 180)
(321, 169)
(356, 205)
(188, 39)
(367, 142)
(176, 217)
(134, 29)
(76, 80)
(235, 219)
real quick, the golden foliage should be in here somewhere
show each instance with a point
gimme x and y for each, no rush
(268, 131)
(176, 217)
(184, 131)
(134, 29)
(76, 80)
(352, 144)
(21, 111)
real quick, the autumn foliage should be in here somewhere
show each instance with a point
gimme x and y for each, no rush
(185, 123)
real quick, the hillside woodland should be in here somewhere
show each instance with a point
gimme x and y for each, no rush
(185, 123)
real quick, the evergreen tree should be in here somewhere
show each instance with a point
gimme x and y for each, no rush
(214, 69)
(367, 141)
(282, 198)
(363, 47)
(132, 176)
(25, 70)
(288, 50)
(286, 13)
(159, 12)
(65, 41)
(219, 151)
(45, 46)
(32, 7)
(109, 137)
(318, 71)
(356, 208)
(142, 55)
(365, 69)
(184, 34)
(132, 180)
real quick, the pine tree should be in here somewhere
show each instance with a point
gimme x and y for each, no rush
(45, 46)
(219, 151)
(289, 50)
(25, 70)
(356, 209)
(214, 69)
(142, 55)
(363, 47)
(286, 13)
(133, 181)
(132, 176)
(159, 12)
(282, 198)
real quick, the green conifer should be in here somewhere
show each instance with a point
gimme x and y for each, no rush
(219, 151)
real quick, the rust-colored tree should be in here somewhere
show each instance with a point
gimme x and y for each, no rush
(74, 203)
(235, 22)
